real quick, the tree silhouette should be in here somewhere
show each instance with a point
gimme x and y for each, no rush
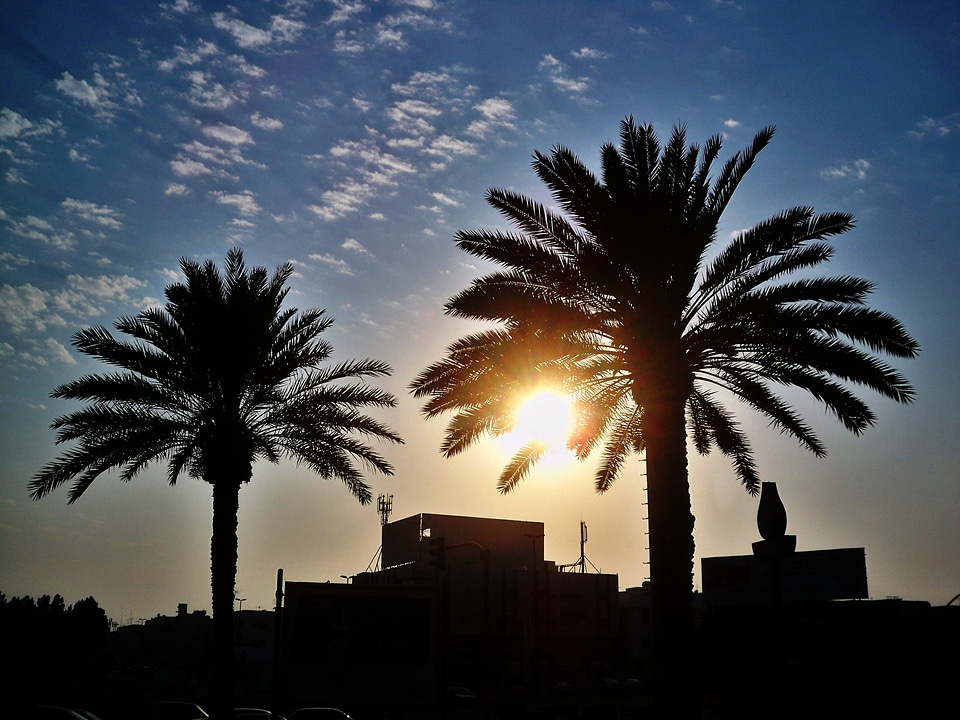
(625, 299)
(220, 377)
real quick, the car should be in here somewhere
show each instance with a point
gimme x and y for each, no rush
(319, 713)
(177, 710)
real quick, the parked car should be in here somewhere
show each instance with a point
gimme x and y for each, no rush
(177, 710)
(319, 713)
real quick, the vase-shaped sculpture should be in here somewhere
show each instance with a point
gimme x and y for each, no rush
(771, 514)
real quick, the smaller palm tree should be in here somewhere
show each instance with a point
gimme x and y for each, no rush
(220, 377)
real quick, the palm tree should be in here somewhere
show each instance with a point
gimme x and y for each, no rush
(625, 299)
(220, 377)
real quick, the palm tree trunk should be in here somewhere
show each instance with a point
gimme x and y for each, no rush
(671, 554)
(223, 573)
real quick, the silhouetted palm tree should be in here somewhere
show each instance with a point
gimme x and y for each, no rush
(220, 377)
(623, 299)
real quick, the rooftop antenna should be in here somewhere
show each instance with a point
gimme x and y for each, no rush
(583, 560)
(384, 508)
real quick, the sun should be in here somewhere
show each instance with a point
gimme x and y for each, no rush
(545, 417)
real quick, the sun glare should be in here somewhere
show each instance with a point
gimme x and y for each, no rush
(545, 417)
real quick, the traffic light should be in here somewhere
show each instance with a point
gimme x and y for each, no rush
(438, 552)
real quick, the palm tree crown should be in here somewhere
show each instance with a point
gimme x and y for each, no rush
(220, 377)
(221, 374)
(622, 298)
(617, 302)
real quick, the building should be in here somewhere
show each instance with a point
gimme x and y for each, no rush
(488, 609)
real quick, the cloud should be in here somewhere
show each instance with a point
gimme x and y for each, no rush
(203, 50)
(186, 167)
(354, 246)
(97, 95)
(246, 36)
(857, 170)
(24, 306)
(937, 128)
(449, 147)
(14, 177)
(345, 10)
(13, 124)
(180, 7)
(339, 265)
(731, 123)
(557, 72)
(282, 30)
(102, 94)
(243, 201)
(205, 92)
(97, 214)
(41, 230)
(411, 117)
(498, 114)
(586, 53)
(444, 199)
(105, 287)
(265, 123)
(178, 189)
(376, 169)
(227, 134)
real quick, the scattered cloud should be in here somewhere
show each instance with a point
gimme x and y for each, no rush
(97, 214)
(15, 177)
(444, 199)
(243, 201)
(26, 307)
(102, 94)
(202, 50)
(929, 127)
(857, 170)
(558, 73)
(586, 53)
(176, 189)
(227, 134)
(281, 30)
(265, 123)
(337, 264)
(354, 246)
(497, 114)
(42, 230)
(731, 123)
(345, 10)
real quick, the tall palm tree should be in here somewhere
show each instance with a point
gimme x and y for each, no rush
(625, 298)
(220, 377)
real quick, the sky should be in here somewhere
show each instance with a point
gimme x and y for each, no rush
(353, 138)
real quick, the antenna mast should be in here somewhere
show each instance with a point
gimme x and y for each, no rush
(384, 508)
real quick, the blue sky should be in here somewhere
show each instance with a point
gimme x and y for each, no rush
(353, 139)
